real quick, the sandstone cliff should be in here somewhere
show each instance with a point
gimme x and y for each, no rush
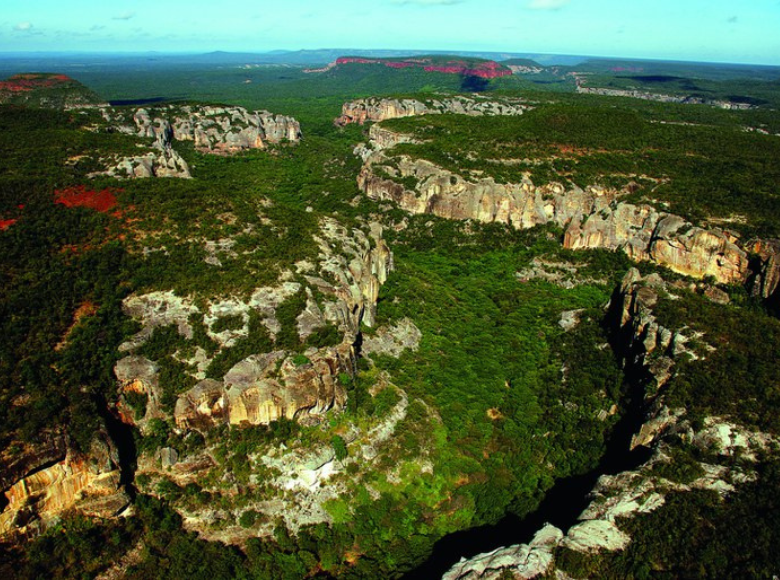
(62, 480)
(350, 268)
(592, 218)
(644, 346)
(218, 130)
(212, 129)
(378, 109)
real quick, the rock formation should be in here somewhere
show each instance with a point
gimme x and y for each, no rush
(483, 69)
(163, 163)
(266, 387)
(379, 109)
(351, 267)
(212, 129)
(592, 218)
(60, 480)
(220, 130)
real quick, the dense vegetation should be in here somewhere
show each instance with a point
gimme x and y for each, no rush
(699, 169)
(502, 400)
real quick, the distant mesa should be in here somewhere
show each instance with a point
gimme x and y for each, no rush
(486, 69)
(45, 90)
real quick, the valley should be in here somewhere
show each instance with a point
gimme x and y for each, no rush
(364, 321)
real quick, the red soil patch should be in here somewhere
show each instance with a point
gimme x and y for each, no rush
(79, 196)
(29, 82)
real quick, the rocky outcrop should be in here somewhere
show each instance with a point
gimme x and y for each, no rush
(89, 484)
(684, 99)
(592, 218)
(266, 387)
(220, 130)
(376, 109)
(212, 129)
(393, 341)
(645, 234)
(524, 561)
(350, 269)
(163, 163)
(448, 195)
(766, 267)
(353, 267)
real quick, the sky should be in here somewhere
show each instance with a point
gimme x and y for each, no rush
(740, 31)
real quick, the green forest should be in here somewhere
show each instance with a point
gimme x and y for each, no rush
(501, 399)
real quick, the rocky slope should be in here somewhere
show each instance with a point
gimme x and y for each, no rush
(293, 482)
(592, 218)
(267, 386)
(216, 130)
(645, 346)
(376, 109)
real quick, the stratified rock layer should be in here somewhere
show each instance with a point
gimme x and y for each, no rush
(592, 218)
(59, 481)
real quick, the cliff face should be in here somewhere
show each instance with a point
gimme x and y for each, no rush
(592, 218)
(60, 480)
(377, 109)
(644, 345)
(483, 69)
(264, 387)
(212, 129)
(647, 235)
(218, 130)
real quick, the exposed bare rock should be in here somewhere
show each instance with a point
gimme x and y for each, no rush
(592, 218)
(563, 274)
(267, 299)
(90, 484)
(767, 277)
(729, 439)
(265, 387)
(445, 194)
(254, 396)
(224, 308)
(394, 340)
(202, 407)
(139, 375)
(645, 234)
(379, 109)
(596, 535)
(311, 318)
(21, 458)
(358, 267)
(163, 163)
(154, 310)
(570, 319)
(214, 129)
(524, 561)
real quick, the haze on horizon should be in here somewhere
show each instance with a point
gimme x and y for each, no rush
(695, 30)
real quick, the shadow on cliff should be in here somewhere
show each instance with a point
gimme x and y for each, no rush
(474, 84)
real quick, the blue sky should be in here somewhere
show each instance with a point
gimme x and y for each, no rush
(709, 30)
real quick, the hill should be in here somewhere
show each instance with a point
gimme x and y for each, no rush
(486, 69)
(45, 90)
